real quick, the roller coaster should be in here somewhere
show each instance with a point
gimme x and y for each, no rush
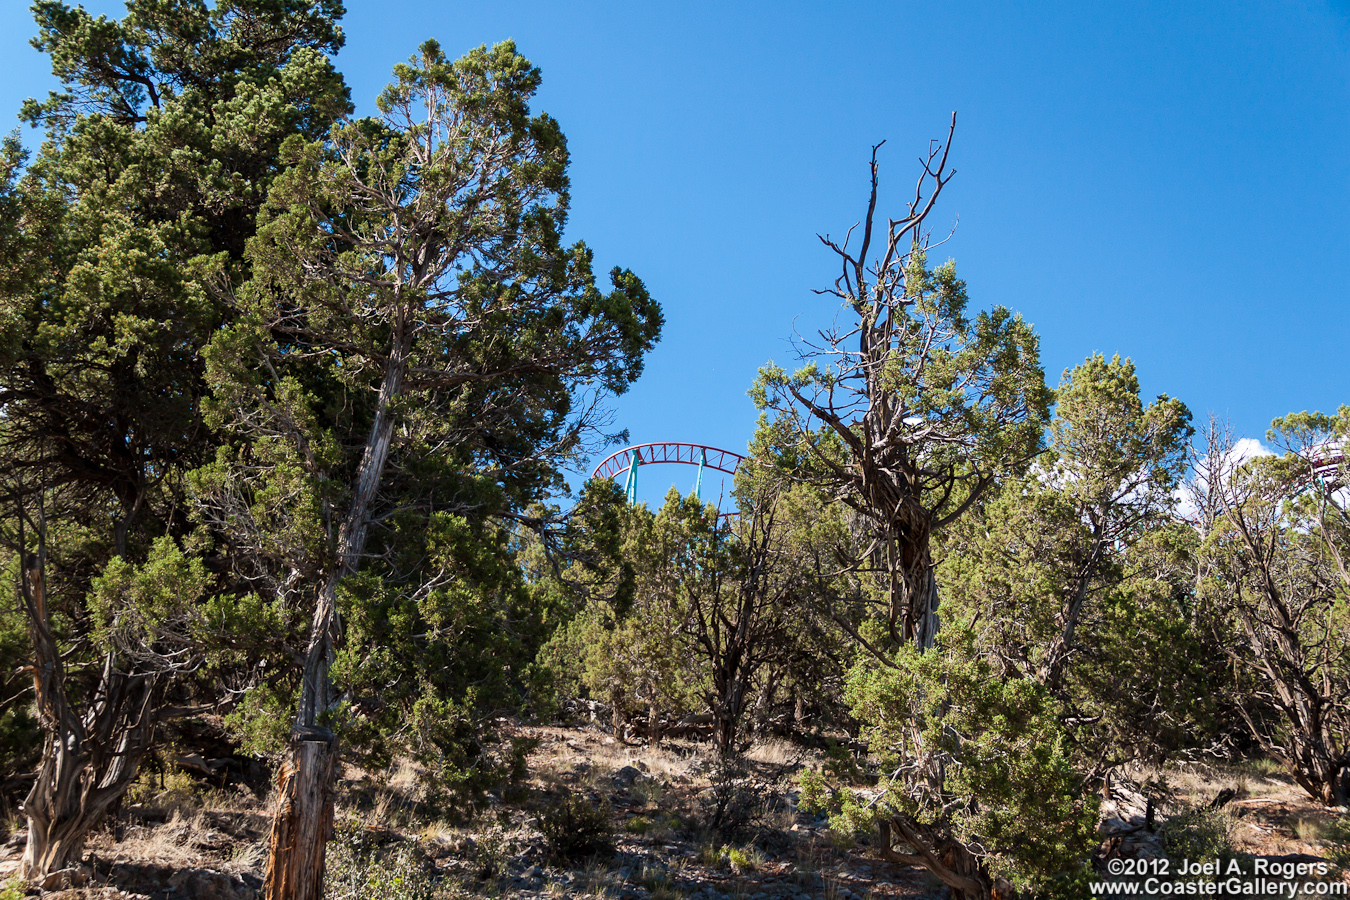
(1326, 464)
(630, 458)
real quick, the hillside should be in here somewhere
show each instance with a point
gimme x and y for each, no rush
(193, 841)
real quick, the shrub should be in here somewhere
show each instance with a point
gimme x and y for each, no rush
(1198, 833)
(358, 870)
(735, 802)
(980, 761)
(574, 828)
(742, 860)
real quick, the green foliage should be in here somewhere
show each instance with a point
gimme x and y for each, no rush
(421, 669)
(138, 606)
(1199, 833)
(633, 654)
(20, 735)
(575, 828)
(1273, 571)
(359, 869)
(119, 237)
(258, 720)
(979, 754)
(919, 411)
(1078, 576)
(743, 859)
(816, 795)
(398, 383)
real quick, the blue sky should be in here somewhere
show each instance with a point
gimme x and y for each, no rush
(1166, 181)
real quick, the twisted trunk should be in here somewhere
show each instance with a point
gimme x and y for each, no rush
(88, 761)
(946, 857)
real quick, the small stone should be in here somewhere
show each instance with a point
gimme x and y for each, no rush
(627, 776)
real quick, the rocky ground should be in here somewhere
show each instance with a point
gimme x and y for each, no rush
(656, 805)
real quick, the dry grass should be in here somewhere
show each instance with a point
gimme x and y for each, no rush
(175, 843)
(408, 778)
(663, 808)
(1270, 815)
(438, 831)
(598, 880)
(774, 752)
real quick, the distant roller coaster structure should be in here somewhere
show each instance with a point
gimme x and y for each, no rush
(1327, 464)
(630, 458)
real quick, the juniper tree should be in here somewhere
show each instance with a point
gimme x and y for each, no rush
(1274, 563)
(160, 148)
(908, 411)
(1077, 574)
(416, 347)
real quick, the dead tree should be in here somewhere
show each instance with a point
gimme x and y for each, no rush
(909, 411)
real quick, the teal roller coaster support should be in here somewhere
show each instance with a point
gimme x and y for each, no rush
(629, 458)
(631, 487)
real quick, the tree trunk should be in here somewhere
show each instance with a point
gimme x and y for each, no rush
(946, 857)
(303, 821)
(1317, 772)
(764, 702)
(913, 616)
(56, 826)
(87, 763)
(653, 723)
(926, 609)
(728, 703)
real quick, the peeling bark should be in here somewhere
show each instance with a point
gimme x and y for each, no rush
(303, 821)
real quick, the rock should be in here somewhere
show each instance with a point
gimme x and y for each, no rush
(75, 876)
(627, 776)
(203, 884)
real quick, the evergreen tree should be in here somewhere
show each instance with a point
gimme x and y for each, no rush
(160, 149)
(917, 411)
(1274, 565)
(415, 349)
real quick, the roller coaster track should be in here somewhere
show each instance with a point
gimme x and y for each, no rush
(629, 459)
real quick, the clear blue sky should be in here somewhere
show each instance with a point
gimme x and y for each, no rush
(1166, 181)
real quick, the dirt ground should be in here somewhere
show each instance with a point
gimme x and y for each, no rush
(210, 845)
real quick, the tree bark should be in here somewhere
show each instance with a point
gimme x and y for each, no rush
(947, 858)
(87, 762)
(303, 821)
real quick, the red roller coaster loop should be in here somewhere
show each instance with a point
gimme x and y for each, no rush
(668, 452)
(630, 458)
